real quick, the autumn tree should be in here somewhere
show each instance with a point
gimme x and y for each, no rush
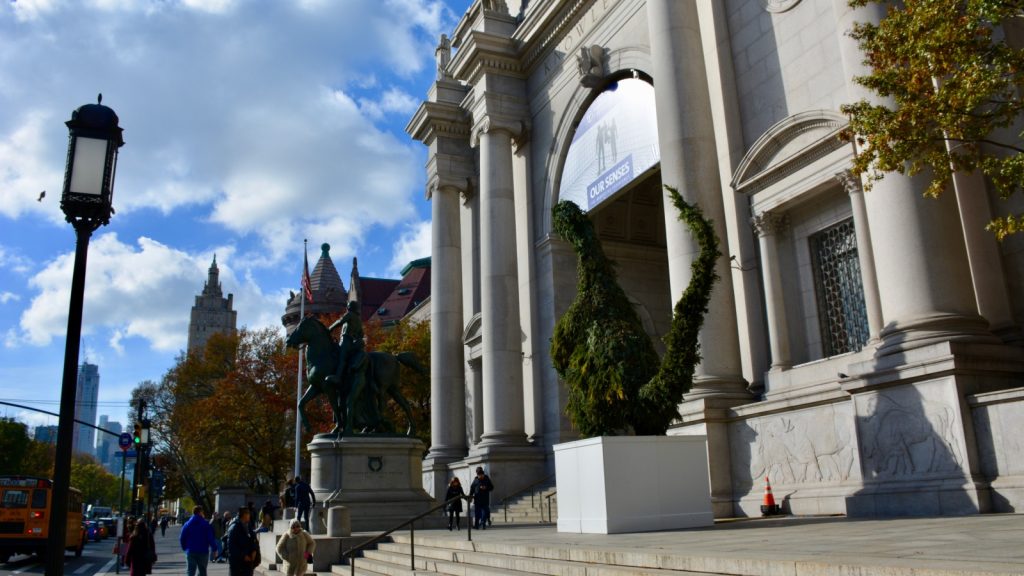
(225, 416)
(953, 81)
(98, 486)
(406, 336)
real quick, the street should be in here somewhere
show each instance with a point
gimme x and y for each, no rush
(98, 560)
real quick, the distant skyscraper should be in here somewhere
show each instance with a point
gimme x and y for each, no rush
(46, 434)
(106, 444)
(211, 313)
(85, 407)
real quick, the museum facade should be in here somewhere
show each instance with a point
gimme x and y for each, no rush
(862, 349)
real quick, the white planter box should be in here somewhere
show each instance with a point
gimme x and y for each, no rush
(615, 484)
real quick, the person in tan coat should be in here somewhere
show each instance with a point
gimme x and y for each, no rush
(296, 548)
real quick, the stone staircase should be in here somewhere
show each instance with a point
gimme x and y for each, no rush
(529, 508)
(447, 556)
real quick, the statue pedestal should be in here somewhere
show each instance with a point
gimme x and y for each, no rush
(378, 479)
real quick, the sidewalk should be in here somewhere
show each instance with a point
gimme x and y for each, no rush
(171, 558)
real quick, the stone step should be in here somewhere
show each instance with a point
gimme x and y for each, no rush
(631, 560)
(447, 561)
(374, 566)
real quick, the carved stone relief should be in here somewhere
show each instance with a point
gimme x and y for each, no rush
(802, 447)
(779, 5)
(903, 434)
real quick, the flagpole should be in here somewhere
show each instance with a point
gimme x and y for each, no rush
(298, 389)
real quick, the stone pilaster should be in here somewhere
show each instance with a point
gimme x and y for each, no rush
(689, 163)
(768, 226)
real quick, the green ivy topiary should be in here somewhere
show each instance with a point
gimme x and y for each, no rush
(600, 349)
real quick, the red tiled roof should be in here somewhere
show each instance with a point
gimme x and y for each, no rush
(374, 291)
(410, 291)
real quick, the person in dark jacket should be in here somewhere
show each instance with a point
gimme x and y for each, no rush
(141, 551)
(454, 506)
(242, 547)
(305, 499)
(196, 540)
(481, 490)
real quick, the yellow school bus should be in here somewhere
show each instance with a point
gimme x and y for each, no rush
(25, 507)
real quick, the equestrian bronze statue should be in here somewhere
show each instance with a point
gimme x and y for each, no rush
(357, 390)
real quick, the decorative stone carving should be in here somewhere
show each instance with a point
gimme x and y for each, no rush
(803, 447)
(850, 182)
(903, 434)
(779, 5)
(768, 223)
(496, 6)
(443, 55)
(591, 63)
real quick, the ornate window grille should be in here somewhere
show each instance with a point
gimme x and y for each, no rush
(842, 315)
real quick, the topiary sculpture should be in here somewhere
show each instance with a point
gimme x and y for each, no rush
(600, 349)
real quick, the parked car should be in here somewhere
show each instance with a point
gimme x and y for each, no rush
(111, 524)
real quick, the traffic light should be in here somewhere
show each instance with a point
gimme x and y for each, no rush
(137, 435)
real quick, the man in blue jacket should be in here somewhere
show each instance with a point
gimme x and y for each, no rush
(196, 540)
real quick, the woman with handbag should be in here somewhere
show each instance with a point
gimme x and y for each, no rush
(296, 549)
(140, 555)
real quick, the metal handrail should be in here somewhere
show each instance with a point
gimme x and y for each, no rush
(351, 552)
(505, 500)
(548, 498)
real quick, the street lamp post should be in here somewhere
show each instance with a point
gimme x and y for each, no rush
(93, 142)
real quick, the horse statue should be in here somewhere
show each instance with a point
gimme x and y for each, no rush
(376, 379)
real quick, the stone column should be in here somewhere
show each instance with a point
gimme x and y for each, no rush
(918, 242)
(865, 254)
(689, 163)
(447, 390)
(768, 226)
(499, 286)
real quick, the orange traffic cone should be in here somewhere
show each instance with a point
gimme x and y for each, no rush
(769, 508)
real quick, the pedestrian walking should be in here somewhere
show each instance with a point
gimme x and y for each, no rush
(220, 533)
(296, 548)
(305, 499)
(243, 551)
(481, 490)
(197, 540)
(140, 554)
(164, 520)
(454, 506)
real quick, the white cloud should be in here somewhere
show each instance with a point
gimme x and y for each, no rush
(392, 101)
(12, 260)
(24, 170)
(143, 291)
(412, 245)
(6, 297)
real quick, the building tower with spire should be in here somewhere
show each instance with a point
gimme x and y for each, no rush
(329, 294)
(212, 312)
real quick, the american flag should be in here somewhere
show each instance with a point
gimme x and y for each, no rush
(306, 289)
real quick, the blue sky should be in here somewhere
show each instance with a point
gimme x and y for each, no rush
(249, 125)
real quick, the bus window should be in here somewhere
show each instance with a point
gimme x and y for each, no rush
(39, 498)
(15, 498)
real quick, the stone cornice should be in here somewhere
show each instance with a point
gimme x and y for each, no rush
(485, 53)
(438, 119)
(559, 17)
